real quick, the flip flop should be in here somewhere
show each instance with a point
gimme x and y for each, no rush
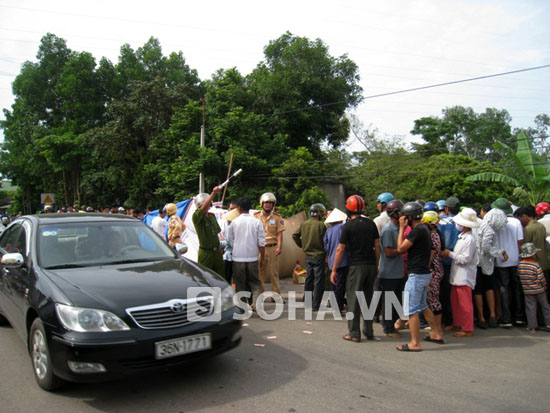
(348, 337)
(434, 340)
(405, 347)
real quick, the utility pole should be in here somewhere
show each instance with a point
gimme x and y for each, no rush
(201, 175)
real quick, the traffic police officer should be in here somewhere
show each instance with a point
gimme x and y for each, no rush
(273, 227)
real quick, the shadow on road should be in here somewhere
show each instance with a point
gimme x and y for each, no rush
(209, 383)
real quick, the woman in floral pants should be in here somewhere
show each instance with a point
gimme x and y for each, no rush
(431, 219)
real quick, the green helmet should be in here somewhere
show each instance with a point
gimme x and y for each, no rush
(317, 210)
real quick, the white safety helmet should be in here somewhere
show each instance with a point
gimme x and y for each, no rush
(200, 198)
(268, 197)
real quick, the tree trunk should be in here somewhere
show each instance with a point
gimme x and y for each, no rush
(65, 188)
(77, 187)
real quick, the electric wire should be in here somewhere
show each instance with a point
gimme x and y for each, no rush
(454, 82)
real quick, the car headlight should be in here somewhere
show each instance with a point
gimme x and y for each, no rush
(227, 298)
(88, 319)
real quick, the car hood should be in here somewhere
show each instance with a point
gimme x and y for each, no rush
(117, 287)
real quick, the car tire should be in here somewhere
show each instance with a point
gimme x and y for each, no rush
(40, 358)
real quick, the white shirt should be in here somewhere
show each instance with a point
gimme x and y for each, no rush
(159, 226)
(545, 220)
(381, 221)
(507, 240)
(464, 265)
(246, 234)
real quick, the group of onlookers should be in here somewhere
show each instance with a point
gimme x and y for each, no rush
(77, 208)
(455, 267)
(444, 257)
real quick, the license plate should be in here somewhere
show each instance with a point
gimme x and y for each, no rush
(183, 345)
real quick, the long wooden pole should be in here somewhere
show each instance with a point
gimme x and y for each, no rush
(203, 126)
(228, 175)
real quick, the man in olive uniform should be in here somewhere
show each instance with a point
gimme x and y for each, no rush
(309, 237)
(273, 228)
(207, 228)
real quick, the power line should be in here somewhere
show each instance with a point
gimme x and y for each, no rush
(188, 47)
(454, 82)
(164, 24)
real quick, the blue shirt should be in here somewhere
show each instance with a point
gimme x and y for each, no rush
(390, 267)
(331, 241)
(450, 234)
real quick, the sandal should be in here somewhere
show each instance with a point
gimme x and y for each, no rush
(405, 347)
(429, 339)
(348, 337)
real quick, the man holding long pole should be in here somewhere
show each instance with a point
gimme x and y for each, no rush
(207, 228)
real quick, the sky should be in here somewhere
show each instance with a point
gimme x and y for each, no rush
(397, 45)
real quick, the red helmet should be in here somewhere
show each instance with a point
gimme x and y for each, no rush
(542, 208)
(355, 204)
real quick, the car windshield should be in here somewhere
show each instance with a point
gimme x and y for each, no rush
(80, 244)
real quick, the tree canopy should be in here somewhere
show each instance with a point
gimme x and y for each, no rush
(461, 131)
(129, 132)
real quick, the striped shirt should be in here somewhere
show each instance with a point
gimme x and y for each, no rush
(531, 277)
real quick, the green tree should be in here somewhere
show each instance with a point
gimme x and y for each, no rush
(298, 179)
(122, 150)
(65, 155)
(37, 82)
(81, 94)
(37, 110)
(305, 92)
(523, 169)
(409, 176)
(147, 63)
(461, 131)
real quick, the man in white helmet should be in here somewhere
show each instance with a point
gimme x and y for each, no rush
(273, 227)
(207, 228)
(5, 221)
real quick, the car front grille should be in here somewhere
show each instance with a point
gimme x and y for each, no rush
(171, 314)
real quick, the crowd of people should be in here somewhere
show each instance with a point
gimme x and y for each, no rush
(77, 208)
(458, 268)
(446, 258)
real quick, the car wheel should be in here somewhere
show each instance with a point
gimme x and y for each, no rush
(41, 360)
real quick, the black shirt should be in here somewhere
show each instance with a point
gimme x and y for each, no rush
(418, 256)
(359, 235)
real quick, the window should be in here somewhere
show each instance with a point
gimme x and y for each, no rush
(13, 240)
(99, 243)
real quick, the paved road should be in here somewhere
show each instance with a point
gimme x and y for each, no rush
(497, 370)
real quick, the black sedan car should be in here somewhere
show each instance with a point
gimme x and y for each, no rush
(102, 296)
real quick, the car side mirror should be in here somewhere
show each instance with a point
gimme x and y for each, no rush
(181, 248)
(13, 260)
